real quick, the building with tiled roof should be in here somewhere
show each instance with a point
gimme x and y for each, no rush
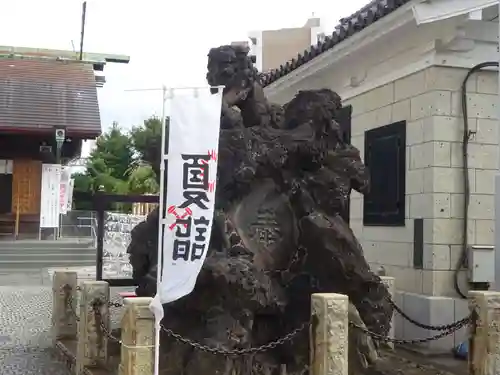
(42, 92)
(402, 66)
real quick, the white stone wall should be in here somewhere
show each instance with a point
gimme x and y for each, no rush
(443, 230)
(430, 103)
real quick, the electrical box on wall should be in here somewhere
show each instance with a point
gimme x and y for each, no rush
(481, 261)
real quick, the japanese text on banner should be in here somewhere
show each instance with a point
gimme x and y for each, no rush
(189, 182)
(191, 227)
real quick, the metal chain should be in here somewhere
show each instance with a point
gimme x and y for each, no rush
(68, 300)
(70, 307)
(447, 329)
(115, 304)
(289, 337)
(383, 338)
(235, 352)
(442, 327)
(294, 260)
(95, 307)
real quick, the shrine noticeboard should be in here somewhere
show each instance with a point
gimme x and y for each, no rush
(50, 196)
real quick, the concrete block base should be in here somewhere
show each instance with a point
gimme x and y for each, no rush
(434, 311)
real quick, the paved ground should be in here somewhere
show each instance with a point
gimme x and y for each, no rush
(25, 313)
(24, 331)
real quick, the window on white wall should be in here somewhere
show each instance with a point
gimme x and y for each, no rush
(385, 157)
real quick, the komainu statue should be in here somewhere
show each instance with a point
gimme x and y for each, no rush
(284, 179)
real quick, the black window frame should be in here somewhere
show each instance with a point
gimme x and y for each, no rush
(371, 217)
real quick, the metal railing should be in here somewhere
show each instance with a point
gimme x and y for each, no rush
(78, 224)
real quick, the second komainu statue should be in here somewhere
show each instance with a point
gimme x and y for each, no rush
(284, 179)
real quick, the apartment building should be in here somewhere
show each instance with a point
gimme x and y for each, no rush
(273, 47)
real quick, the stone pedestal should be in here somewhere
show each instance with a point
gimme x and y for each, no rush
(138, 334)
(484, 343)
(390, 283)
(329, 334)
(92, 349)
(64, 297)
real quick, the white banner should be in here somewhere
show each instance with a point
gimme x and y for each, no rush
(69, 195)
(50, 196)
(189, 204)
(64, 190)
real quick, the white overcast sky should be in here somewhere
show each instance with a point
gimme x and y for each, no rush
(167, 40)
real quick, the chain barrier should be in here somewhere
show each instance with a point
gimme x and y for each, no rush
(235, 352)
(442, 327)
(96, 305)
(226, 352)
(383, 338)
(446, 329)
(68, 300)
(115, 304)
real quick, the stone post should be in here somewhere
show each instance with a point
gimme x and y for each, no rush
(484, 338)
(390, 284)
(329, 334)
(138, 335)
(64, 297)
(92, 348)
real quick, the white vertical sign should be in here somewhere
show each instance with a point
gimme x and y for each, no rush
(69, 195)
(63, 191)
(50, 192)
(189, 204)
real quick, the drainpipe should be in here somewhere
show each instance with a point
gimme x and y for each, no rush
(497, 199)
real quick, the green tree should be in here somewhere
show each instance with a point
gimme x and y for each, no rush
(142, 180)
(107, 166)
(84, 183)
(123, 162)
(112, 156)
(146, 141)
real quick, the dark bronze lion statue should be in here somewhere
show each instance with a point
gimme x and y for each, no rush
(285, 174)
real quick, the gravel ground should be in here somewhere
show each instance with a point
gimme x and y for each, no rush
(25, 314)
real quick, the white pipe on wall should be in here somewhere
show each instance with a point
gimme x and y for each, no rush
(497, 195)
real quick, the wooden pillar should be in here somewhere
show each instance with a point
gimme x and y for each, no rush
(484, 339)
(92, 348)
(64, 296)
(329, 334)
(390, 284)
(138, 335)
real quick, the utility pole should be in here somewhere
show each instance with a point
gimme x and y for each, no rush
(82, 33)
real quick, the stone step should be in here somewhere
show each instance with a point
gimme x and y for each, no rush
(62, 251)
(47, 257)
(36, 244)
(45, 263)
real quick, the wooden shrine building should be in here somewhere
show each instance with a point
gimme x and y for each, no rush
(41, 92)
